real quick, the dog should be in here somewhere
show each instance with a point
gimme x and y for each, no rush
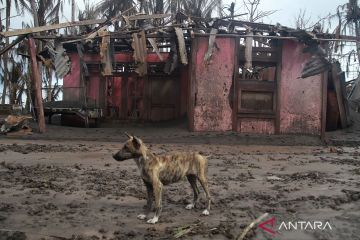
(157, 171)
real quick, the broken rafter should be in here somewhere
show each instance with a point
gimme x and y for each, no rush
(182, 47)
(144, 17)
(8, 47)
(51, 27)
(345, 39)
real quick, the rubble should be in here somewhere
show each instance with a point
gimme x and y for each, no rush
(14, 123)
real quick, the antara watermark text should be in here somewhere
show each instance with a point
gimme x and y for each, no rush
(305, 225)
(270, 226)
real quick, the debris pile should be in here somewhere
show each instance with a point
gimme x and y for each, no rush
(13, 123)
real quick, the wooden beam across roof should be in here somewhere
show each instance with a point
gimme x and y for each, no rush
(51, 27)
(144, 16)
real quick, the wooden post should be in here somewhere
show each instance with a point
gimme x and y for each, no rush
(335, 72)
(324, 91)
(37, 87)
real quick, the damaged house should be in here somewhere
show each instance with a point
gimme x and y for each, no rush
(166, 73)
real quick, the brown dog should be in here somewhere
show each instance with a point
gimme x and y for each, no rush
(157, 171)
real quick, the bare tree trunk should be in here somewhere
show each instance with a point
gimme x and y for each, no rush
(1, 56)
(34, 12)
(73, 29)
(37, 87)
(357, 32)
(6, 55)
(39, 47)
(219, 8)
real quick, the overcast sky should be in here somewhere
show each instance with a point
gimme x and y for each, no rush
(287, 10)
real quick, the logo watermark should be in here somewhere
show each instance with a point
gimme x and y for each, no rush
(273, 227)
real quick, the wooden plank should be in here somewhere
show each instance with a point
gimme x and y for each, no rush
(256, 115)
(181, 45)
(249, 111)
(51, 27)
(345, 39)
(153, 44)
(335, 72)
(105, 56)
(39, 108)
(262, 49)
(325, 77)
(145, 17)
(257, 86)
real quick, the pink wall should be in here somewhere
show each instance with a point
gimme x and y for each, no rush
(71, 81)
(184, 86)
(300, 104)
(211, 86)
(93, 89)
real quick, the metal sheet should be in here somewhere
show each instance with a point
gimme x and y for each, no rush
(61, 61)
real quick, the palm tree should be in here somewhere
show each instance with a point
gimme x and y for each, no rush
(19, 8)
(352, 17)
(151, 6)
(111, 8)
(89, 12)
(73, 30)
(200, 8)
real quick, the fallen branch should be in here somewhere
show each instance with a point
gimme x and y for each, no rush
(251, 225)
(181, 231)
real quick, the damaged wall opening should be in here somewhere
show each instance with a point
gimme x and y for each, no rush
(256, 88)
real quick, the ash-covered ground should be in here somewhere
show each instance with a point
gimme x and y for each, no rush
(72, 189)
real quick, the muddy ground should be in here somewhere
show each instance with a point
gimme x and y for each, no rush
(67, 189)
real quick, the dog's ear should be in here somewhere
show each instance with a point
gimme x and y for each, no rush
(128, 135)
(137, 142)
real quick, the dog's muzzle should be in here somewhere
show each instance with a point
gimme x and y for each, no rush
(121, 156)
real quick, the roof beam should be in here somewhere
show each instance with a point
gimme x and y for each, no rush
(51, 27)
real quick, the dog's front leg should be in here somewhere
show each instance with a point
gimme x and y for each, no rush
(150, 195)
(157, 186)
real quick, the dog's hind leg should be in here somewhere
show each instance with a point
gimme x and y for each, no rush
(204, 183)
(192, 180)
(150, 195)
(157, 185)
